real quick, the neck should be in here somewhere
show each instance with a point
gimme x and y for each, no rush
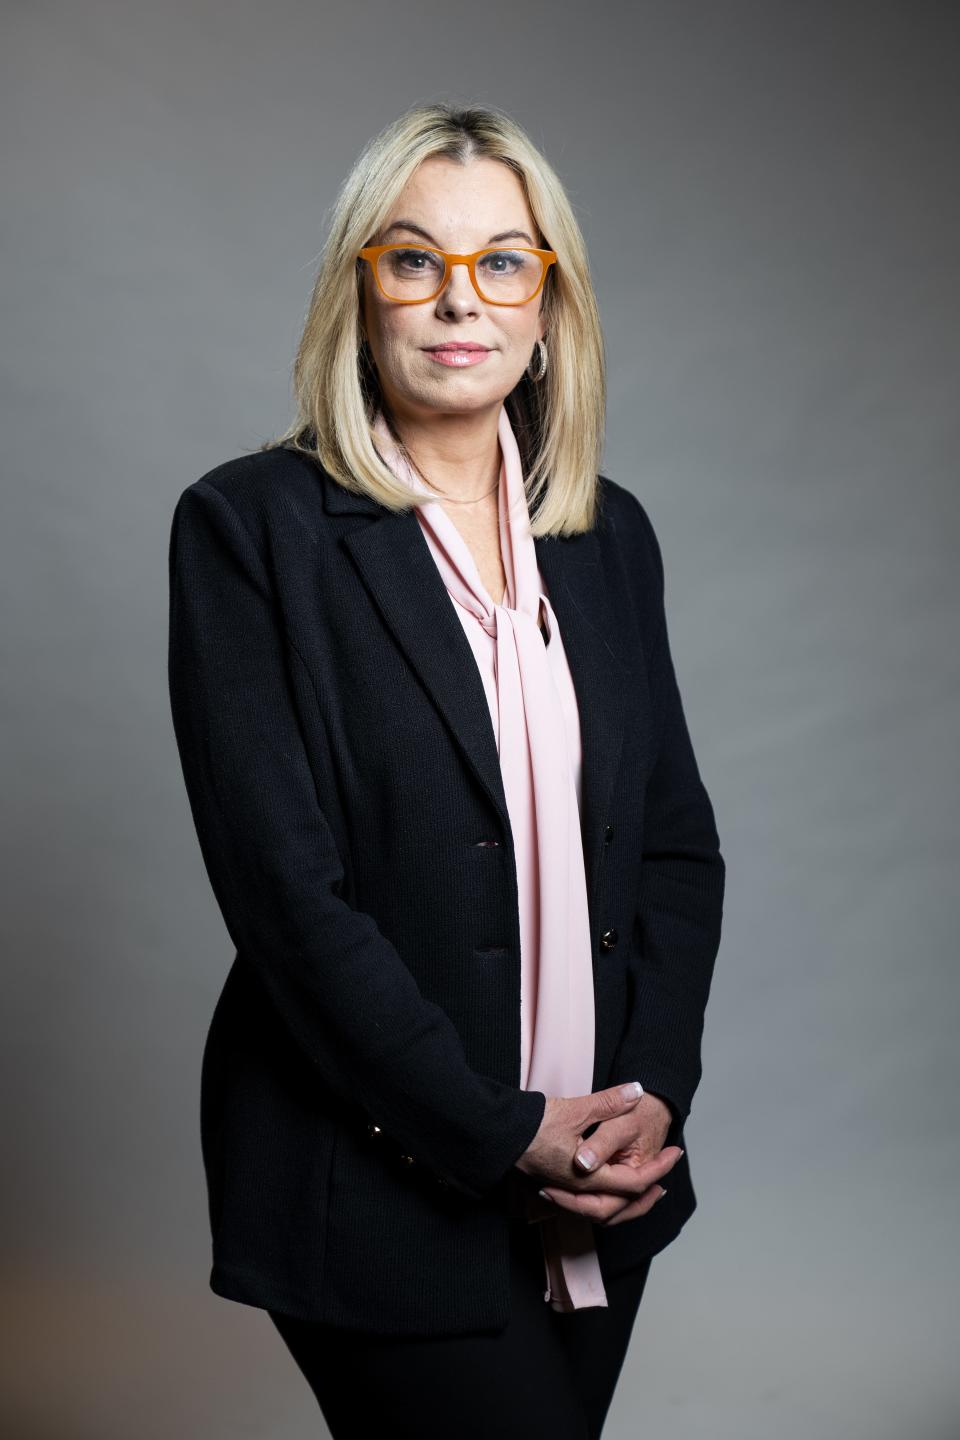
(458, 453)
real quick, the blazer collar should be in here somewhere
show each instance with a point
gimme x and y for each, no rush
(396, 566)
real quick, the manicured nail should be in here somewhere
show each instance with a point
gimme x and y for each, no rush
(587, 1159)
(546, 1196)
(663, 1191)
(633, 1091)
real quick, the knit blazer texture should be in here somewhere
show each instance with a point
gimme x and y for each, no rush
(360, 1110)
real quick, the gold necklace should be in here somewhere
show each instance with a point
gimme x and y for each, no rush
(449, 498)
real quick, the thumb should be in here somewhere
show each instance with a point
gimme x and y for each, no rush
(606, 1105)
(617, 1100)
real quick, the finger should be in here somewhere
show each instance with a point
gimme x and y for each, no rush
(616, 1133)
(616, 1100)
(596, 1206)
(629, 1179)
(636, 1208)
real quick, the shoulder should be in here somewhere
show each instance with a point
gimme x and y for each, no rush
(267, 484)
(250, 514)
(266, 509)
(625, 524)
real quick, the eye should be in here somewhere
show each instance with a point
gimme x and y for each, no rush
(505, 262)
(413, 261)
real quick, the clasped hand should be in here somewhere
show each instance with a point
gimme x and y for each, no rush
(628, 1149)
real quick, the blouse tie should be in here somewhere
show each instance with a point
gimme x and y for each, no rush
(537, 759)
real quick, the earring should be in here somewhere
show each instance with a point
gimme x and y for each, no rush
(543, 363)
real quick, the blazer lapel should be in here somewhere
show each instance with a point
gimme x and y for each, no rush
(397, 568)
(395, 563)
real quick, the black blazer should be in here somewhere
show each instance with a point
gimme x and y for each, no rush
(360, 1109)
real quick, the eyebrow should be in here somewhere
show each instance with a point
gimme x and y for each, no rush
(494, 239)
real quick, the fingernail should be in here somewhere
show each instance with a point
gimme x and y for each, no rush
(663, 1191)
(545, 1196)
(587, 1159)
(633, 1091)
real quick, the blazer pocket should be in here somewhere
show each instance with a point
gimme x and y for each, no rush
(490, 887)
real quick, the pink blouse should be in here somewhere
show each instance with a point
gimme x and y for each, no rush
(533, 710)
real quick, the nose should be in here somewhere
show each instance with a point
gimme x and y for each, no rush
(458, 293)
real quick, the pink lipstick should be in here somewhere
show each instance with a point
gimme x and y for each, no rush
(458, 353)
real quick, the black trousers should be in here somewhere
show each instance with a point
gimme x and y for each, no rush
(550, 1373)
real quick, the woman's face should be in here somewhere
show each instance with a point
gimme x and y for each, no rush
(461, 208)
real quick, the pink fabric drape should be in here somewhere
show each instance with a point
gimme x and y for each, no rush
(533, 709)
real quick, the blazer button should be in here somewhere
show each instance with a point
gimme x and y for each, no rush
(373, 1130)
(408, 1160)
(608, 939)
(608, 835)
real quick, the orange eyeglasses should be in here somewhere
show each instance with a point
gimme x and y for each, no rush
(412, 274)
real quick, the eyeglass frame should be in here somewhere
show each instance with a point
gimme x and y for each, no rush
(372, 253)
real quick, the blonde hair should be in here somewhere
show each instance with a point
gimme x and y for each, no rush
(558, 421)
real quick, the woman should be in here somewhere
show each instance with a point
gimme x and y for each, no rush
(446, 798)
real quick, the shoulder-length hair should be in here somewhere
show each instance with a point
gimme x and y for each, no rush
(558, 421)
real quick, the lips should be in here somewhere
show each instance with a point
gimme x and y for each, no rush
(455, 345)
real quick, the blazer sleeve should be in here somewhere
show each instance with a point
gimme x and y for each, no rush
(680, 905)
(341, 989)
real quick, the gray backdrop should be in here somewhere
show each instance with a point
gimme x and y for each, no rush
(769, 196)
